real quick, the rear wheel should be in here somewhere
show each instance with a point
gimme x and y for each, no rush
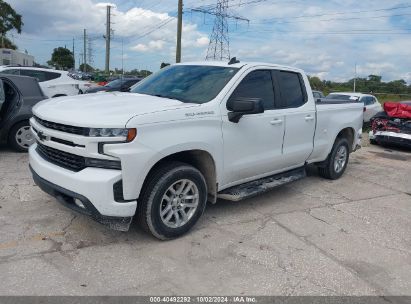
(21, 137)
(337, 161)
(173, 199)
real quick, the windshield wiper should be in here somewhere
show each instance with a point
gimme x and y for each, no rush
(168, 97)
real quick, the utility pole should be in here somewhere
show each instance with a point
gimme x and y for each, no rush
(108, 37)
(85, 51)
(179, 30)
(74, 56)
(355, 77)
(122, 57)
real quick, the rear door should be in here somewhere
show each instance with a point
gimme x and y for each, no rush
(253, 146)
(299, 114)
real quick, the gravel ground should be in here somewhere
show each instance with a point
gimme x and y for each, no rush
(312, 237)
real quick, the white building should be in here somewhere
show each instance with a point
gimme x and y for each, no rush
(12, 57)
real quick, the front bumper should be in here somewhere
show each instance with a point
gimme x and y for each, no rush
(384, 137)
(92, 186)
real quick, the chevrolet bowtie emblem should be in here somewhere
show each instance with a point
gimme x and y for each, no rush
(41, 136)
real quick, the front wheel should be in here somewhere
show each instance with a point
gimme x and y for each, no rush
(21, 137)
(173, 199)
(337, 161)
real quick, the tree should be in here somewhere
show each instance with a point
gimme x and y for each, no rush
(374, 78)
(6, 43)
(145, 73)
(62, 58)
(88, 67)
(9, 20)
(316, 83)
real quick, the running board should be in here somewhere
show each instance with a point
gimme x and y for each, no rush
(251, 189)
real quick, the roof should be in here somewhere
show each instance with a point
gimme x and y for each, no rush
(242, 64)
(31, 68)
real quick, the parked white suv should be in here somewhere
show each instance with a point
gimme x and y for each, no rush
(371, 104)
(54, 83)
(188, 134)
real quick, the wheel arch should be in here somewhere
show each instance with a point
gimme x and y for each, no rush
(349, 134)
(201, 160)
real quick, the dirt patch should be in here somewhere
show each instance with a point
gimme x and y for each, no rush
(394, 156)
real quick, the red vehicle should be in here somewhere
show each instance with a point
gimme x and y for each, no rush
(393, 126)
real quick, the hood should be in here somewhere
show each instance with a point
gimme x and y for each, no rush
(103, 110)
(99, 89)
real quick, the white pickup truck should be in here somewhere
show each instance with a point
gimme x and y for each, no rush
(188, 134)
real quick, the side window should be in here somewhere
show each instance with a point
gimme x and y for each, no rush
(40, 75)
(368, 100)
(130, 83)
(11, 72)
(316, 95)
(257, 84)
(51, 75)
(293, 94)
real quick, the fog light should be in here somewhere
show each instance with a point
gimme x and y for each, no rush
(79, 203)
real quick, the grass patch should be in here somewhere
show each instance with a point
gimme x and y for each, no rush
(392, 97)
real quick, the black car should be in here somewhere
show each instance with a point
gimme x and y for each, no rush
(121, 84)
(18, 95)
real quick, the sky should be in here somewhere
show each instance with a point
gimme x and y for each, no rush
(325, 38)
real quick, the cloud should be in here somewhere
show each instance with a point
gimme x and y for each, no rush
(202, 41)
(151, 46)
(327, 45)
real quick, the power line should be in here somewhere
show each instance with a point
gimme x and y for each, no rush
(336, 19)
(335, 13)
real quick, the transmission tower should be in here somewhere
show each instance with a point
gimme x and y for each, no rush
(219, 46)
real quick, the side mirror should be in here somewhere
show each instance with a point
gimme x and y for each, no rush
(2, 93)
(243, 106)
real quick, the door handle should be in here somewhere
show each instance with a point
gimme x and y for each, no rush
(276, 122)
(309, 117)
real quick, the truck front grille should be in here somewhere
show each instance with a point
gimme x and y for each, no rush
(61, 127)
(60, 158)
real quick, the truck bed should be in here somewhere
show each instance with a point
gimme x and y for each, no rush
(331, 118)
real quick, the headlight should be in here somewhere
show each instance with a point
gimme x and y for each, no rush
(127, 134)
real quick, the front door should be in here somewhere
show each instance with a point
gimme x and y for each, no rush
(253, 146)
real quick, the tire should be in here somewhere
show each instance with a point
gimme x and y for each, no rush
(330, 170)
(159, 186)
(19, 137)
(373, 142)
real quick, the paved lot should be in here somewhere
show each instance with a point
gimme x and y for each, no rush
(312, 237)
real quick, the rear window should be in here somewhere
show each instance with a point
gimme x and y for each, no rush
(52, 75)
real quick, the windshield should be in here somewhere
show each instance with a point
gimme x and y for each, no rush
(115, 83)
(187, 83)
(342, 97)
